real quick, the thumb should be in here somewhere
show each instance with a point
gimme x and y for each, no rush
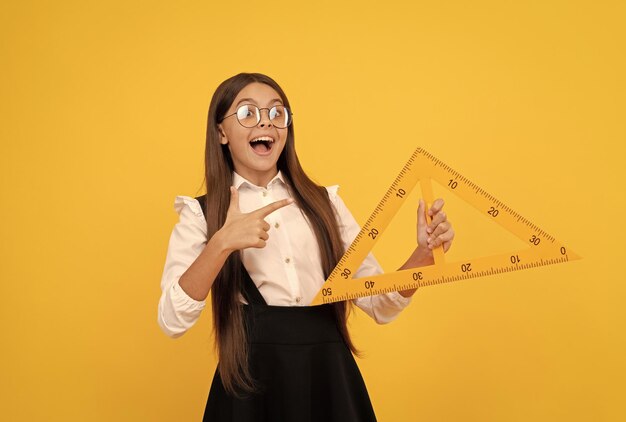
(421, 215)
(234, 201)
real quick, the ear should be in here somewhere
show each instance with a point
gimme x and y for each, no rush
(223, 138)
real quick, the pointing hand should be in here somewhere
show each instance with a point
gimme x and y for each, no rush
(247, 230)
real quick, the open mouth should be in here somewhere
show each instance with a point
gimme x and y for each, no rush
(262, 145)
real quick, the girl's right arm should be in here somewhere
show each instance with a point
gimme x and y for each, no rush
(192, 263)
(240, 231)
(178, 311)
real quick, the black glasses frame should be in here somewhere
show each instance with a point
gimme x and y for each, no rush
(268, 115)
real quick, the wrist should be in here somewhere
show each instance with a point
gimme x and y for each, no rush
(424, 257)
(407, 293)
(420, 257)
(220, 245)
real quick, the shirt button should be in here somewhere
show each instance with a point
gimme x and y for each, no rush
(287, 260)
(264, 193)
(298, 299)
(277, 225)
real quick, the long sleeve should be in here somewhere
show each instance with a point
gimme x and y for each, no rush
(383, 308)
(177, 312)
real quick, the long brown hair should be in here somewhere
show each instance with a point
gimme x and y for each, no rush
(228, 319)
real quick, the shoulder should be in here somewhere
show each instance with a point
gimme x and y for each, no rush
(188, 204)
(332, 192)
(336, 201)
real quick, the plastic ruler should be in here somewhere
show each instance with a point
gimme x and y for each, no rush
(422, 167)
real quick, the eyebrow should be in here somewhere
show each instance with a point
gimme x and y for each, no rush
(251, 100)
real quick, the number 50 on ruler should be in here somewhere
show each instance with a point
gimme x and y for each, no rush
(422, 167)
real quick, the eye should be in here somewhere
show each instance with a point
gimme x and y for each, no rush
(244, 111)
(274, 113)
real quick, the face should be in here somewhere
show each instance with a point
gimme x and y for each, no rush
(256, 161)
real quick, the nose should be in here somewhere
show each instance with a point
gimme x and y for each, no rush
(265, 121)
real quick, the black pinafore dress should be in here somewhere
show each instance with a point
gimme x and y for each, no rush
(300, 361)
(305, 370)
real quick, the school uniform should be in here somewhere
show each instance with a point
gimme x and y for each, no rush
(296, 353)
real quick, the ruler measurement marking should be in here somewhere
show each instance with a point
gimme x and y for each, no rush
(445, 279)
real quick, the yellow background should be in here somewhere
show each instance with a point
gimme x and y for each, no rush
(102, 121)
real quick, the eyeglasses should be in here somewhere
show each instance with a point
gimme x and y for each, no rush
(249, 115)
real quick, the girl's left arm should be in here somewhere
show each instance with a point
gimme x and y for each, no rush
(429, 236)
(384, 308)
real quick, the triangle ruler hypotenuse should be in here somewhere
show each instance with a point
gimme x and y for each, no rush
(423, 167)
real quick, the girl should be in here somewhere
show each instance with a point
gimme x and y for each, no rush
(263, 240)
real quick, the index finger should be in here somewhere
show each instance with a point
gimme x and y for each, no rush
(270, 208)
(436, 207)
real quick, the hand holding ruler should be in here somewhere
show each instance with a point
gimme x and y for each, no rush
(423, 167)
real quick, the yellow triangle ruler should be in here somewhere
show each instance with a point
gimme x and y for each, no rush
(423, 167)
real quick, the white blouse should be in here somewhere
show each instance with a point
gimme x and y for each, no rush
(286, 271)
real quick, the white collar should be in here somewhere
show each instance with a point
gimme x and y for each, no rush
(239, 180)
